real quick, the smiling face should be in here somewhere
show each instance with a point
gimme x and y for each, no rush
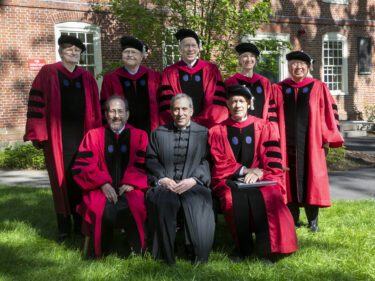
(70, 54)
(298, 69)
(189, 49)
(247, 61)
(238, 106)
(181, 112)
(117, 114)
(131, 57)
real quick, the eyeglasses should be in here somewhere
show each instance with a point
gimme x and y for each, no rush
(120, 112)
(72, 50)
(190, 46)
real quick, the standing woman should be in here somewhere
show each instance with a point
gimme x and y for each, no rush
(259, 86)
(63, 105)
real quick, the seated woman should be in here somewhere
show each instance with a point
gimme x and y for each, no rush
(244, 146)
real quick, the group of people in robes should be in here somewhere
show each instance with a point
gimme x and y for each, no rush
(151, 155)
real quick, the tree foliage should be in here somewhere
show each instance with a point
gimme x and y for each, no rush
(221, 24)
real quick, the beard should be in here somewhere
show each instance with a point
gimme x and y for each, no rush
(116, 126)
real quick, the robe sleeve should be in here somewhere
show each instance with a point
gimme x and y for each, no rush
(165, 94)
(96, 108)
(135, 174)
(107, 89)
(329, 119)
(155, 170)
(224, 165)
(202, 171)
(88, 170)
(272, 114)
(36, 124)
(215, 110)
(270, 158)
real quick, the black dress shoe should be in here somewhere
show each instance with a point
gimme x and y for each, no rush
(313, 225)
(236, 256)
(62, 237)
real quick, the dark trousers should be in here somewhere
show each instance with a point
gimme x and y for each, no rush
(163, 206)
(119, 213)
(312, 212)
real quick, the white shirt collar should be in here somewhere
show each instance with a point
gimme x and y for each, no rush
(119, 131)
(190, 65)
(244, 119)
(132, 73)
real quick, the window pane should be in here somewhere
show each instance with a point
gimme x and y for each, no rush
(90, 59)
(90, 49)
(90, 37)
(81, 36)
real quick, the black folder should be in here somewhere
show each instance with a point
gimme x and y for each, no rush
(257, 184)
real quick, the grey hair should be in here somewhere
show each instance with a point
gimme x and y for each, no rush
(115, 97)
(181, 96)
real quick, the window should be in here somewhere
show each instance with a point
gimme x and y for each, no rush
(171, 53)
(89, 34)
(343, 2)
(335, 63)
(281, 71)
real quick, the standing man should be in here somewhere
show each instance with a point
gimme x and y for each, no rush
(199, 79)
(244, 146)
(308, 121)
(179, 176)
(63, 106)
(135, 82)
(109, 168)
(259, 86)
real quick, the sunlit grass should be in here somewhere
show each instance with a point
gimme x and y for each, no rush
(343, 250)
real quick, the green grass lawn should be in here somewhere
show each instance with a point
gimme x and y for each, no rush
(343, 250)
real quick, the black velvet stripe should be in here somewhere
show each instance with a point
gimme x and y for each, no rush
(165, 97)
(273, 119)
(273, 154)
(271, 143)
(36, 104)
(80, 163)
(141, 153)
(85, 154)
(219, 102)
(219, 94)
(165, 88)
(76, 171)
(220, 83)
(338, 127)
(275, 165)
(36, 115)
(271, 102)
(164, 107)
(272, 110)
(334, 106)
(36, 93)
(336, 117)
(140, 165)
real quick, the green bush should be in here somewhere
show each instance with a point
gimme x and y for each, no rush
(336, 154)
(370, 112)
(22, 157)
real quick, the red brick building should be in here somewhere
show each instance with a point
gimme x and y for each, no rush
(329, 30)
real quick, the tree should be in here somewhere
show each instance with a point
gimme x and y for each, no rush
(220, 24)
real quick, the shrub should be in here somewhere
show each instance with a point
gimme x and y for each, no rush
(370, 112)
(336, 154)
(22, 157)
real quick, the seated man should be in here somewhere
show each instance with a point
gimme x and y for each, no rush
(109, 168)
(179, 177)
(244, 146)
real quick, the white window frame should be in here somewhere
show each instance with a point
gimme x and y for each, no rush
(72, 26)
(341, 2)
(283, 65)
(333, 36)
(170, 30)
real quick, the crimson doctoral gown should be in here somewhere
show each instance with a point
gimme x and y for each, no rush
(256, 144)
(140, 90)
(203, 83)
(307, 119)
(95, 166)
(44, 122)
(260, 87)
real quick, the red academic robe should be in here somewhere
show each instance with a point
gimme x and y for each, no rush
(117, 83)
(214, 108)
(91, 172)
(44, 122)
(317, 115)
(260, 87)
(266, 156)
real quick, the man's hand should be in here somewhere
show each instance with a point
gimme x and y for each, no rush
(252, 175)
(168, 183)
(109, 193)
(38, 144)
(185, 185)
(125, 188)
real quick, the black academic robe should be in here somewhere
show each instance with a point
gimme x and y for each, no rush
(163, 204)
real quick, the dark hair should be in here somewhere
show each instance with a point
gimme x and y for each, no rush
(115, 97)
